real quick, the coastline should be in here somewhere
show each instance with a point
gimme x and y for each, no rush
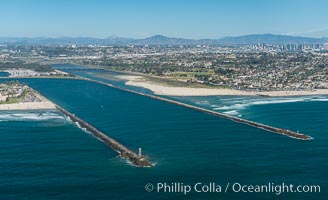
(286, 132)
(44, 104)
(162, 89)
(27, 106)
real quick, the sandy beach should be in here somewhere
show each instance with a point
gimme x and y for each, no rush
(162, 89)
(28, 106)
(42, 105)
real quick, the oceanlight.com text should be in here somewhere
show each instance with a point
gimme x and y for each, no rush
(212, 187)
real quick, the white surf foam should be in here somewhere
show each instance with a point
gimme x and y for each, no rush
(232, 112)
(236, 105)
(246, 103)
(83, 129)
(30, 116)
(320, 99)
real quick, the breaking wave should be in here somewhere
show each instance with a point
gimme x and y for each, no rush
(232, 112)
(235, 105)
(30, 116)
(242, 104)
(80, 127)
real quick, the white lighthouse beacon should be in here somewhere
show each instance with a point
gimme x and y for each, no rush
(140, 152)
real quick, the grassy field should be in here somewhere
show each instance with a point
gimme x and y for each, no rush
(11, 100)
(175, 80)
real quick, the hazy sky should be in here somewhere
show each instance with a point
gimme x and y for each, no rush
(174, 18)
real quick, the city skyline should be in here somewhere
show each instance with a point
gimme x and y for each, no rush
(180, 19)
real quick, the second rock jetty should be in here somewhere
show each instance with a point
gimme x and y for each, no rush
(137, 160)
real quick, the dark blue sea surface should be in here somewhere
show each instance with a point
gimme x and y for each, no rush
(4, 74)
(285, 112)
(45, 156)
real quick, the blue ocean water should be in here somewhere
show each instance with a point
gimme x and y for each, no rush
(285, 112)
(4, 74)
(44, 156)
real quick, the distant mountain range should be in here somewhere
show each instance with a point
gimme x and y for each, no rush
(163, 40)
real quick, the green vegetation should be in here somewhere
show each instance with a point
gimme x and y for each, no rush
(23, 65)
(11, 100)
(9, 91)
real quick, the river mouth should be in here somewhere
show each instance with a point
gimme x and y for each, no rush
(179, 140)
